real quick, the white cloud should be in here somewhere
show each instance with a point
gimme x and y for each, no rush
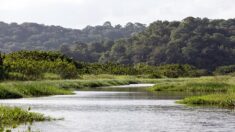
(79, 13)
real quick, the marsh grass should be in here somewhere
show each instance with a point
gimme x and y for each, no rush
(29, 89)
(11, 117)
(203, 84)
(193, 87)
(80, 84)
(216, 91)
(22, 89)
(221, 100)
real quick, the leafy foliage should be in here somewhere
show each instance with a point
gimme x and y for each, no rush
(32, 64)
(170, 70)
(223, 70)
(203, 43)
(2, 68)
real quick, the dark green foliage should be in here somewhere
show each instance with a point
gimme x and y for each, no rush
(170, 70)
(203, 43)
(31, 65)
(109, 68)
(200, 42)
(223, 70)
(176, 70)
(2, 68)
(34, 65)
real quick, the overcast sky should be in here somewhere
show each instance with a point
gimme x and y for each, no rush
(79, 13)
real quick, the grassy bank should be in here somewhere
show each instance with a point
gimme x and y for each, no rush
(222, 100)
(217, 90)
(29, 89)
(81, 84)
(24, 89)
(193, 87)
(12, 117)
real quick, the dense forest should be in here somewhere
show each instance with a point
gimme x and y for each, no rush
(200, 42)
(203, 43)
(32, 36)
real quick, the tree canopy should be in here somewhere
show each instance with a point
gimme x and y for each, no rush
(33, 36)
(203, 43)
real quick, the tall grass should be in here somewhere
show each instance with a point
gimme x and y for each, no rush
(29, 89)
(193, 87)
(221, 100)
(202, 84)
(217, 90)
(79, 84)
(22, 89)
(12, 117)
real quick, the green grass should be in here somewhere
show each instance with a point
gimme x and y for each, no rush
(202, 84)
(80, 84)
(193, 87)
(29, 89)
(51, 76)
(24, 89)
(216, 91)
(11, 117)
(221, 100)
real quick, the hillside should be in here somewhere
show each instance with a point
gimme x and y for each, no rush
(33, 36)
(203, 43)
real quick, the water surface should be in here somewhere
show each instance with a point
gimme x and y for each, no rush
(129, 111)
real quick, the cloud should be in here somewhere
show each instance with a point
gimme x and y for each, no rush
(79, 13)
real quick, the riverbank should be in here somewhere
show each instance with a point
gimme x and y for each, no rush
(216, 91)
(24, 89)
(11, 117)
(219, 90)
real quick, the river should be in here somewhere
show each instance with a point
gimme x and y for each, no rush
(123, 111)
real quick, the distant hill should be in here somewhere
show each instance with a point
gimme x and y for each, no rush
(203, 43)
(33, 36)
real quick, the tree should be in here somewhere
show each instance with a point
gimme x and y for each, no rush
(2, 69)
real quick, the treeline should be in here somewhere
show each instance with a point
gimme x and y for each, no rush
(36, 65)
(162, 71)
(225, 70)
(203, 43)
(32, 36)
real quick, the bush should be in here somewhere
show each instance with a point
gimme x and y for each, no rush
(31, 65)
(223, 70)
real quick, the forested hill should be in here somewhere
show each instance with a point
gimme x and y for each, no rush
(203, 43)
(200, 42)
(32, 36)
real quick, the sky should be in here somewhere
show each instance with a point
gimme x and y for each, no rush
(80, 13)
